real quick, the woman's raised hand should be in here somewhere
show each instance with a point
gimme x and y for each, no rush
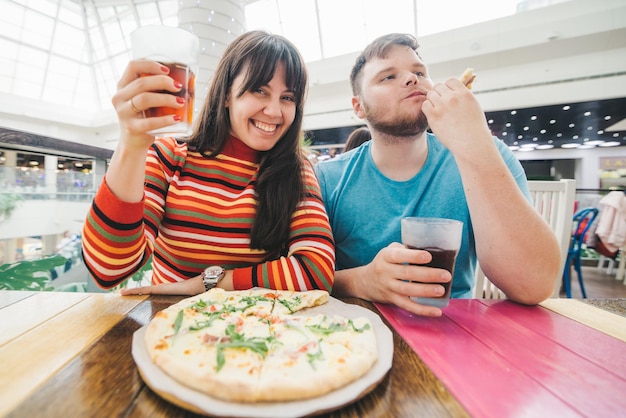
(144, 85)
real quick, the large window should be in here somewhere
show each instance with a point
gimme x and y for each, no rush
(72, 53)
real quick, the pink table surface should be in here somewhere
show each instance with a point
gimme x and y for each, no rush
(501, 359)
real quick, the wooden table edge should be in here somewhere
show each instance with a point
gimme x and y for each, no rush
(604, 321)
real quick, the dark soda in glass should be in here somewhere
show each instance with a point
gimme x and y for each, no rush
(443, 259)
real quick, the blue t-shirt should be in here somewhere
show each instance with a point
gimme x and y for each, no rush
(365, 207)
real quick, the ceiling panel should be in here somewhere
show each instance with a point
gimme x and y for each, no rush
(580, 124)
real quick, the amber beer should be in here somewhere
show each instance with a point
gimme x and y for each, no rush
(178, 49)
(183, 74)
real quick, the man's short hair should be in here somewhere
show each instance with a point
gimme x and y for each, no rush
(378, 48)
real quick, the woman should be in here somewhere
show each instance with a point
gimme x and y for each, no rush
(237, 197)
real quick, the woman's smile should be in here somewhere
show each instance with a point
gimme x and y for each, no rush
(265, 127)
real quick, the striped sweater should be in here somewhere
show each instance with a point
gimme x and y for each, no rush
(198, 212)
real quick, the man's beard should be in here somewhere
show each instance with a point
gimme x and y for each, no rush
(407, 126)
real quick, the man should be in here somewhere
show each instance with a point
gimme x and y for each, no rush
(461, 172)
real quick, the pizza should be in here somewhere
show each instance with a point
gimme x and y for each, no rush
(260, 345)
(468, 77)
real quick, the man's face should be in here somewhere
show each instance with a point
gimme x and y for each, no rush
(393, 90)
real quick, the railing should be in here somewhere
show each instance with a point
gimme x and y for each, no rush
(24, 183)
(39, 194)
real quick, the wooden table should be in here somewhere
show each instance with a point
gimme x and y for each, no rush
(69, 355)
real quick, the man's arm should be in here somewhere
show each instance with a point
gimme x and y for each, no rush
(516, 248)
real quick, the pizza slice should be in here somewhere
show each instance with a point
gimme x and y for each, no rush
(468, 77)
(288, 302)
(211, 346)
(315, 355)
(257, 302)
(237, 358)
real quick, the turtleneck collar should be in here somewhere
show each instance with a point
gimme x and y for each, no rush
(235, 147)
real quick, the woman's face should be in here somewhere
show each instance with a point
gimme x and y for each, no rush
(260, 118)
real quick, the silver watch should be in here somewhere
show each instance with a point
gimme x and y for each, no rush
(211, 276)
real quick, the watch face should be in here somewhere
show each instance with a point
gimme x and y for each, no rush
(213, 272)
(211, 276)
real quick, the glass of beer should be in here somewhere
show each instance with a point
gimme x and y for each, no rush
(442, 239)
(178, 50)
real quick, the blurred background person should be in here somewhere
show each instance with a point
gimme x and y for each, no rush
(67, 248)
(357, 137)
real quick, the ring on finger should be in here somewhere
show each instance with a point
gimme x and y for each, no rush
(132, 106)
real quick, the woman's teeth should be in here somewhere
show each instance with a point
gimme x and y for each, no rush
(264, 126)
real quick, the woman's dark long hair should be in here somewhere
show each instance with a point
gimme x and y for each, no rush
(280, 182)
